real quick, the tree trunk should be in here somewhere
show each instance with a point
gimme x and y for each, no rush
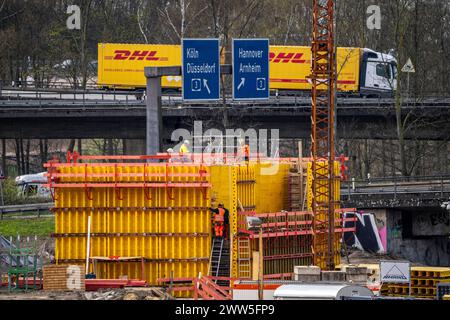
(83, 54)
(80, 147)
(392, 153)
(124, 146)
(383, 158)
(400, 129)
(27, 157)
(43, 150)
(4, 157)
(71, 145)
(22, 156)
(19, 168)
(110, 147)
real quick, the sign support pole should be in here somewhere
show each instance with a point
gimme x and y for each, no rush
(154, 124)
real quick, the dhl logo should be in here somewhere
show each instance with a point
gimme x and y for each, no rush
(283, 57)
(137, 55)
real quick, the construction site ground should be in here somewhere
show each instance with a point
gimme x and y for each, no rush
(353, 257)
(109, 294)
(362, 257)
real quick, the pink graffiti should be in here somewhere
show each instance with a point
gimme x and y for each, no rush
(383, 237)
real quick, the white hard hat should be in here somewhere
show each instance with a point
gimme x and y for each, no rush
(186, 141)
(170, 150)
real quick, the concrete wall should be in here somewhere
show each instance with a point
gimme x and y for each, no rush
(433, 251)
(432, 223)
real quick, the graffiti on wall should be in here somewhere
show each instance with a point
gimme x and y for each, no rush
(370, 234)
(431, 223)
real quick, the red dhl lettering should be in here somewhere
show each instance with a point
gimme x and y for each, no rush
(286, 57)
(137, 55)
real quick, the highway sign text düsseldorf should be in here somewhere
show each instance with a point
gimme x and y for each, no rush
(201, 69)
(250, 69)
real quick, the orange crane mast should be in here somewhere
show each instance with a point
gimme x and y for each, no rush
(323, 77)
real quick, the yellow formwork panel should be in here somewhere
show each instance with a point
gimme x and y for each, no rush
(160, 225)
(271, 189)
(246, 181)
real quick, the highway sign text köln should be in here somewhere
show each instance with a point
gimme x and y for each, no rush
(201, 69)
(250, 69)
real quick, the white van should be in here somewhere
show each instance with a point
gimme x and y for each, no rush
(32, 185)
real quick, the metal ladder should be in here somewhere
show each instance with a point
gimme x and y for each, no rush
(215, 257)
(244, 258)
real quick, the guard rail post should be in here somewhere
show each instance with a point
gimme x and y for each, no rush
(442, 187)
(348, 188)
(395, 187)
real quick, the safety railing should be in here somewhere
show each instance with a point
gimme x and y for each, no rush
(115, 176)
(438, 184)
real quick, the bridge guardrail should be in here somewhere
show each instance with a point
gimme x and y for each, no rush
(398, 185)
(20, 209)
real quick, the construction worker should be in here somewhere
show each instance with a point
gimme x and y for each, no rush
(220, 220)
(245, 149)
(184, 151)
(170, 154)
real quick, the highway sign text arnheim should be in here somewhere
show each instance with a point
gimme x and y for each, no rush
(250, 69)
(201, 69)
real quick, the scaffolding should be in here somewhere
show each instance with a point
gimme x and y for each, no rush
(24, 271)
(288, 239)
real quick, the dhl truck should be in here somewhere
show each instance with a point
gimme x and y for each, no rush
(359, 70)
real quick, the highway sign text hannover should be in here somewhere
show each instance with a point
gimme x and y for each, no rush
(250, 69)
(201, 69)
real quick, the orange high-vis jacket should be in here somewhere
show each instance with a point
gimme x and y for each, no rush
(246, 150)
(219, 217)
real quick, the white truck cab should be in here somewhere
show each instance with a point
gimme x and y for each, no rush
(378, 73)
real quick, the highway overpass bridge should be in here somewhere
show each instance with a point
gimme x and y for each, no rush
(47, 115)
(397, 193)
(404, 216)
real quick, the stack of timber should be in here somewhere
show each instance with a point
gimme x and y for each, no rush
(63, 278)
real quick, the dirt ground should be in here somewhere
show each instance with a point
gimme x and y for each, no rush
(361, 257)
(108, 294)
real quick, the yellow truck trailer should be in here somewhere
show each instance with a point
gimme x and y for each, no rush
(121, 66)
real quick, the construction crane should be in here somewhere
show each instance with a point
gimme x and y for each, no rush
(323, 77)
